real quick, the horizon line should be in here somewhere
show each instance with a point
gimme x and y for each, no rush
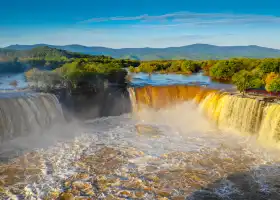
(43, 44)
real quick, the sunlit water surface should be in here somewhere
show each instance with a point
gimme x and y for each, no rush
(6, 79)
(142, 79)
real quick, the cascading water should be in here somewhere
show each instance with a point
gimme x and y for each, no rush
(25, 113)
(245, 115)
(162, 96)
(235, 112)
(170, 152)
(270, 128)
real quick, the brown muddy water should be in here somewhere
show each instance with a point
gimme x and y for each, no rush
(171, 153)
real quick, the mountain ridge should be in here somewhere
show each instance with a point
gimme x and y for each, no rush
(193, 51)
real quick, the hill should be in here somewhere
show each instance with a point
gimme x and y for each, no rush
(38, 53)
(45, 57)
(194, 52)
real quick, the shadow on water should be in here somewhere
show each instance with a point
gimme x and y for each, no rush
(261, 183)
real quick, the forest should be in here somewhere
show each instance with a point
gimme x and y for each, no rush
(60, 66)
(47, 58)
(49, 68)
(243, 72)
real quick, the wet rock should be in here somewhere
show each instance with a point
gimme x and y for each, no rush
(66, 196)
(125, 193)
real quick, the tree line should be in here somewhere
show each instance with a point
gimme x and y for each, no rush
(243, 72)
(174, 66)
(76, 68)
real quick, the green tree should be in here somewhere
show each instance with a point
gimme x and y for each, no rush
(131, 69)
(225, 69)
(242, 80)
(274, 86)
(269, 79)
(270, 65)
(175, 67)
(256, 82)
(190, 66)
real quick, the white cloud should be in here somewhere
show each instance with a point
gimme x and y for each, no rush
(179, 29)
(193, 18)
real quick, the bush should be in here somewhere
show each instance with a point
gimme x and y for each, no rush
(274, 86)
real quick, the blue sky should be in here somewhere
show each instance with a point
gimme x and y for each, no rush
(140, 23)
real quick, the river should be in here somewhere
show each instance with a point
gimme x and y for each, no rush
(139, 79)
(172, 153)
(6, 79)
(142, 79)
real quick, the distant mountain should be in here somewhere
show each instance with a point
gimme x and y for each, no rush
(38, 52)
(195, 51)
(15, 60)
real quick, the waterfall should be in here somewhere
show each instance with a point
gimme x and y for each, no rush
(246, 115)
(228, 111)
(234, 112)
(270, 128)
(24, 113)
(133, 100)
(161, 96)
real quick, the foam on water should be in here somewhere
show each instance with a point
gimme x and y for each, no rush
(185, 144)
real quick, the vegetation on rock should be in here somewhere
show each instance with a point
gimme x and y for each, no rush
(80, 72)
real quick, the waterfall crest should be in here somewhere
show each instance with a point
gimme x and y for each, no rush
(161, 96)
(23, 113)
